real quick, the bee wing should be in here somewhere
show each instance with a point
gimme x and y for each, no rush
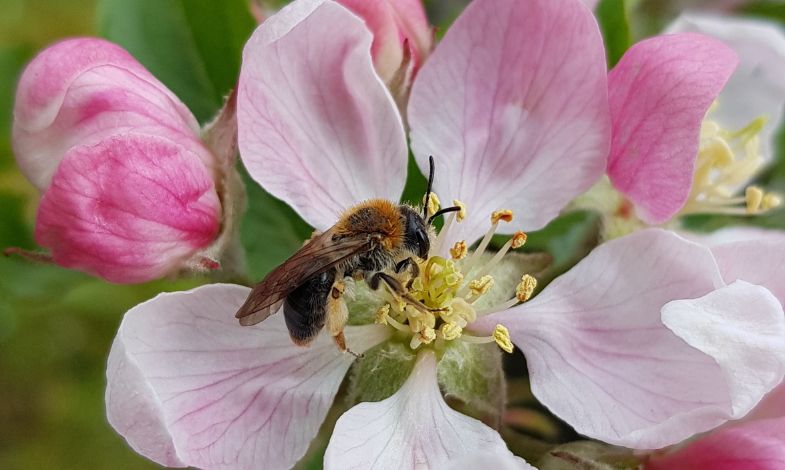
(319, 255)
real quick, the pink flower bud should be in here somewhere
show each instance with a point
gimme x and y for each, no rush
(128, 190)
(396, 25)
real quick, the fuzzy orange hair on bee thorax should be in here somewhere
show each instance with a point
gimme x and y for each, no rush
(374, 216)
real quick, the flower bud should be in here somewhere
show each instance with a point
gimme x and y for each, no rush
(128, 189)
(397, 25)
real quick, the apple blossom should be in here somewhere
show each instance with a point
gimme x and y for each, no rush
(128, 189)
(513, 105)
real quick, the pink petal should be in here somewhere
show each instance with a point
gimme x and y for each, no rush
(489, 460)
(79, 89)
(756, 88)
(600, 357)
(759, 260)
(317, 127)
(131, 208)
(739, 314)
(513, 106)
(227, 396)
(757, 445)
(659, 94)
(414, 428)
(394, 23)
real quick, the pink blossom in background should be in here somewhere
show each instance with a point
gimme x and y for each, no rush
(642, 344)
(128, 190)
(396, 25)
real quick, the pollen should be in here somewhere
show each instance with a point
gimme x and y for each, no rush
(727, 160)
(438, 305)
(433, 203)
(501, 214)
(461, 209)
(518, 240)
(525, 288)
(502, 337)
(481, 286)
(459, 250)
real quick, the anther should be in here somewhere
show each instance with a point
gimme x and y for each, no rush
(480, 286)
(450, 331)
(433, 203)
(459, 250)
(525, 288)
(501, 214)
(518, 240)
(771, 201)
(754, 198)
(462, 212)
(502, 337)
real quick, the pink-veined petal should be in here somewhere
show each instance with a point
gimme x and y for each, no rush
(740, 314)
(131, 208)
(755, 445)
(414, 428)
(756, 87)
(754, 255)
(317, 127)
(228, 396)
(659, 94)
(394, 23)
(600, 357)
(513, 106)
(79, 88)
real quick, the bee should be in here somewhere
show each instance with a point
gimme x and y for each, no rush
(369, 241)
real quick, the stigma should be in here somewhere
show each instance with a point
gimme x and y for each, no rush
(447, 289)
(727, 161)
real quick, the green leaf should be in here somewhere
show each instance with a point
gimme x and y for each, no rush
(612, 16)
(192, 46)
(270, 230)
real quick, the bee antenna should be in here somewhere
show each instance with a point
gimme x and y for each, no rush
(429, 188)
(442, 212)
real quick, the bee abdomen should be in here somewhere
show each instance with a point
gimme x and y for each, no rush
(304, 309)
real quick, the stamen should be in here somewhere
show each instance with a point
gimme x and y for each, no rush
(433, 203)
(525, 288)
(754, 198)
(502, 337)
(450, 331)
(517, 241)
(480, 286)
(383, 318)
(426, 336)
(460, 215)
(496, 216)
(459, 250)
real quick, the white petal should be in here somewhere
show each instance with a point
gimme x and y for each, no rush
(742, 327)
(317, 127)
(220, 394)
(414, 428)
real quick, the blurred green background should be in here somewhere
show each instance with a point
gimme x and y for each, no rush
(56, 326)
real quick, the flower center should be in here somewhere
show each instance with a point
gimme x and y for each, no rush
(443, 294)
(727, 161)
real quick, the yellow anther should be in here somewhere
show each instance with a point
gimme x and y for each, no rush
(461, 214)
(501, 214)
(450, 331)
(771, 201)
(419, 321)
(425, 336)
(518, 240)
(502, 337)
(754, 197)
(481, 286)
(433, 203)
(381, 314)
(459, 250)
(525, 288)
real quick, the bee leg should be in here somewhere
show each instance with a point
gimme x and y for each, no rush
(338, 315)
(397, 290)
(411, 265)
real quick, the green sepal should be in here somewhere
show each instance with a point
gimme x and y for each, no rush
(473, 374)
(380, 372)
(588, 454)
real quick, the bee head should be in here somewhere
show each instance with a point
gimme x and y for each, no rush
(415, 235)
